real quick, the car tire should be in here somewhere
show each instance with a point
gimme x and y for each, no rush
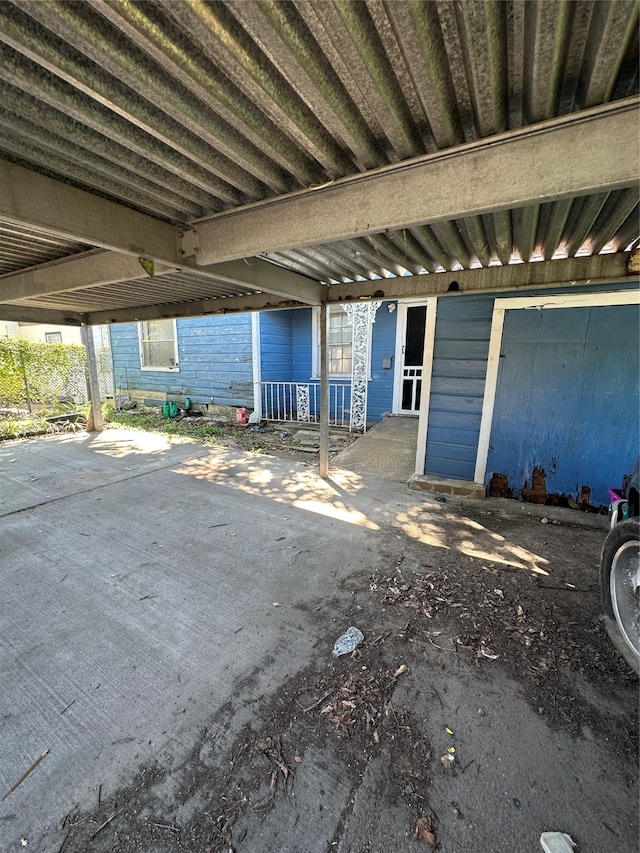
(620, 588)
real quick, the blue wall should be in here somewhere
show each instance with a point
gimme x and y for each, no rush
(461, 347)
(215, 360)
(301, 344)
(383, 342)
(567, 399)
(276, 359)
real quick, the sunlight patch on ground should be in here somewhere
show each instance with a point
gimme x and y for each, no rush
(453, 533)
(303, 490)
(120, 443)
(427, 532)
(528, 561)
(336, 510)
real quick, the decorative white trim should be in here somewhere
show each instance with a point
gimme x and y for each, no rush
(362, 316)
(572, 300)
(302, 403)
(500, 306)
(255, 358)
(425, 394)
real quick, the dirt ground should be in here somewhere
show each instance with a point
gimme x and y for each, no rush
(417, 721)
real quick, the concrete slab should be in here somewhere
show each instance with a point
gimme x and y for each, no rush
(158, 599)
(386, 451)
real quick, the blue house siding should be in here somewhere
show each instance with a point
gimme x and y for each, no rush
(383, 342)
(276, 355)
(461, 346)
(301, 344)
(567, 399)
(214, 355)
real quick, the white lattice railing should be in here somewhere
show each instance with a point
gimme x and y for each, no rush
(300, 402)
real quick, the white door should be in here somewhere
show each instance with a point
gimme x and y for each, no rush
(409, 355)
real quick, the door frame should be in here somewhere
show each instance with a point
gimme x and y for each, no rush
(401, 331)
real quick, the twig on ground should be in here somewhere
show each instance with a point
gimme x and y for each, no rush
(26, 773)
(107, 821)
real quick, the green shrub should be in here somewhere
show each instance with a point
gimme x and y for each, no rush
(40, 373)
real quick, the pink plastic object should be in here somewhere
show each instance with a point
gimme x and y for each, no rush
(241, 415)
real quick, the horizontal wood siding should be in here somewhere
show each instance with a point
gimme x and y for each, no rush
(567, 399)
(214, 356)
(383, 342)
(461, 346)
(301, 345)
(276, 360)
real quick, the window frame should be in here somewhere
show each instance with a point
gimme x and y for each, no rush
(53, 337)
(315, 360)
(141, 342)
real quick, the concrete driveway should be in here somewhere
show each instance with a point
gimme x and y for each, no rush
(167, 616)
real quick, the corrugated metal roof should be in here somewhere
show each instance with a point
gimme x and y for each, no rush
(21, 247)
(181, 110)
(164, 289)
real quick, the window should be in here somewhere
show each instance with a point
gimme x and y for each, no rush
(53, 337)
(158, 349)
(339, 341)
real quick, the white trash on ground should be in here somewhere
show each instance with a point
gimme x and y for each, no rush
(557, 842)
(347, 642)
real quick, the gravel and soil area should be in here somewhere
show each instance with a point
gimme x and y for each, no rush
(429, 616)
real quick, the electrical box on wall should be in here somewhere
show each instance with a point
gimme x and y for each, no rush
(387, 361)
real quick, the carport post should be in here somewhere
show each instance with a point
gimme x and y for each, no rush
(324, 394)
(94, 422)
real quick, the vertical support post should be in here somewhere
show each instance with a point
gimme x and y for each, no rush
(324, 394)
(255, 357)
(94, 423)
(425, 393)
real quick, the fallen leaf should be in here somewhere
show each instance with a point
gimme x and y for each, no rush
(376, 736)
(447, 760)
(448, 730)
(348, 703)
(400, 670)
(327, 709)
(451, 750)
(297, 759)
(424, 831)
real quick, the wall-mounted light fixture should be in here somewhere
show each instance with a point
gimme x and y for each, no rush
(391, 307)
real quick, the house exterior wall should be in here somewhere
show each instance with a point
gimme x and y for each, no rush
(215, 362)
(461, 346)
(567, 400)
(567, 386)
(383, 343)
(301, 345)
(276, 353)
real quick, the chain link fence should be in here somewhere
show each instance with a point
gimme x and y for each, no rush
(38, 375)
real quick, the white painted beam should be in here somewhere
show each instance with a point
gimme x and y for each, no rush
(269, 278)
(561, 158)
(194, 308)
(74, 273)
(52, 316)
(36, 201)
